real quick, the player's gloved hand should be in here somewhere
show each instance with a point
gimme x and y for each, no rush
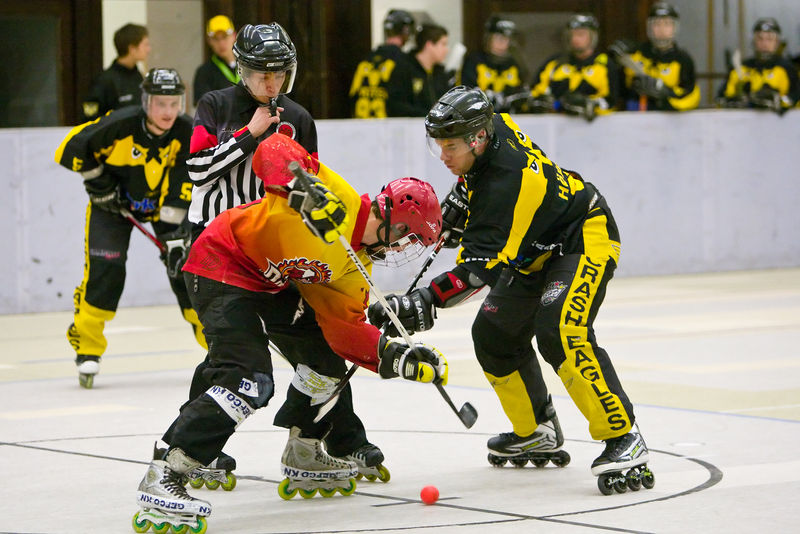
(454, 215)
(104, 193)
(768, 98)
(415, 311)
(321, 210)
(177, 245)
(650, 86)
(579, 104)
(621, 46)
(423, 363)
(741, 102)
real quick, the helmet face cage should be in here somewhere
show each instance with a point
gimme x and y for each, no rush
(412, 220)
(160, 81)
(766, 47)
(502, 26)
(264, 48)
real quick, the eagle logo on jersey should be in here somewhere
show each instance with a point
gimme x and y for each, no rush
(300, 270)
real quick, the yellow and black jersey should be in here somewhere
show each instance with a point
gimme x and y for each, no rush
(523, 207)
(674, 67)
(496, 76)
(114, 88)
(594, 77)
(776, 73)
(150, 170)
(373, 83)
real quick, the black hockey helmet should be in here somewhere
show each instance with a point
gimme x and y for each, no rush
(497, 24)
(160, 81)
(583, 20)
(462, 112)
(663, 9)
(767, 24)
(265, 48)
(398, 22)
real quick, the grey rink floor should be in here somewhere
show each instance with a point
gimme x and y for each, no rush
(710, 361)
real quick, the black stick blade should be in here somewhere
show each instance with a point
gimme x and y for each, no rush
(468, 415)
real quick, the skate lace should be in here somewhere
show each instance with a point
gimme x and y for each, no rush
(172, 483)
(615, 446)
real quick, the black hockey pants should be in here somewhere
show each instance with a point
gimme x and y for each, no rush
(236, 377)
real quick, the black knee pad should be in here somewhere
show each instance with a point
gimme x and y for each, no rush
(257, 392)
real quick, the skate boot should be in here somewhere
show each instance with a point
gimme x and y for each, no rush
(540, 447)
(218, 473)
(88, 366)
(627, 452)
(308, 468)
(368, 458)
(163, 501)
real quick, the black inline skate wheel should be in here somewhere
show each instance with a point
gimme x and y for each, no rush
(519, 462)
(497, 461)
(620, 486)
(561, 459)
(648, 480)
(634, 482)
(539, 462)
(604, 485)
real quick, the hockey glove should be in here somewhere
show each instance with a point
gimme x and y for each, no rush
(321, 210)
(423, 363)
(454, 215)
(621, 47)
(177, 245)
(580, 105)
(415, 311)
(104, 193)
(650, 86)
(768, 98)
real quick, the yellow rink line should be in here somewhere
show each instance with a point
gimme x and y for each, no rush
(60, 412)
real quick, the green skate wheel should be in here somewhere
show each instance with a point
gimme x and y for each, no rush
(183, 529)
(308, 494)
(383, 474)
(212, 484)
(140, 526)
(230, 482)
(371, 478)
(359, 476)
(605, 485)
(283, 490)
(327, 493)
(202, 526)
(348, 490)
(648, 479)
(196, 483)
(86, 381)
(161, 528)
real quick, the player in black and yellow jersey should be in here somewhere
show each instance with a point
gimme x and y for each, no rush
(494, 70)
(546, 243)
(372, 81)
(581, 82)
(765, 81)
(664, 75)
(134, 159)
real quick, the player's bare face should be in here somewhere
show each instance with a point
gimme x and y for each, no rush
(766, 42)
(222, 44)
(663, 28)
(141, 51)
(440, 50)
(499, 44)
(580, 40)
(265, 85)
(456, 155)
(162, 111)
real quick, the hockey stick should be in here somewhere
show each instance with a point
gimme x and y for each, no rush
(429, 260)
(468, 415)
(127, 214)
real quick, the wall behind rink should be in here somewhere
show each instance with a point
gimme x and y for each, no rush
(702, 191)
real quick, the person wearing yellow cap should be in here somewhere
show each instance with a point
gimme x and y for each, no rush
(219, 71)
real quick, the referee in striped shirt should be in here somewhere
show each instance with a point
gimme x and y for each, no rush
(230, 123)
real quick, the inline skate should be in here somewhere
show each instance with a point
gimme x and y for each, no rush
(308, 469)
(623, 465)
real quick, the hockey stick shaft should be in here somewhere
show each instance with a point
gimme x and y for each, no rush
(127, 214)
(428, 261)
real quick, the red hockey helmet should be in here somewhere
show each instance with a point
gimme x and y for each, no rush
(412, 203)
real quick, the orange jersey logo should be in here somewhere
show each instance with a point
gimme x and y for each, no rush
(301, 270)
